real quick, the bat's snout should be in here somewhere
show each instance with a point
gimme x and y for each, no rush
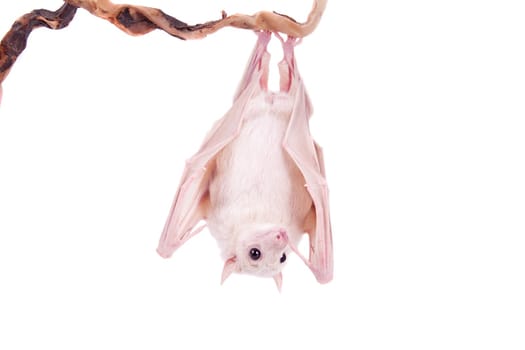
(279, 238)
(281, 235)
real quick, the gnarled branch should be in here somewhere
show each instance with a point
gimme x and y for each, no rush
(15, 41)
(139, 20)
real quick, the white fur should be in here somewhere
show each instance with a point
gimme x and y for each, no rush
(256, 186)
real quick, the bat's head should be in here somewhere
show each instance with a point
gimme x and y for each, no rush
(259, 251)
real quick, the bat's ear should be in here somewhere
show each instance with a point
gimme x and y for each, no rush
(229, 268)
(278, 280)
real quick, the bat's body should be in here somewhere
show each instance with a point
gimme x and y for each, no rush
(256, 185)
(258, 178)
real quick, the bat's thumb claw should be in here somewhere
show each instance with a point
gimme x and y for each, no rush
(164, 252)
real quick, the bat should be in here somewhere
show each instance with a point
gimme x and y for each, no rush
(258, 180)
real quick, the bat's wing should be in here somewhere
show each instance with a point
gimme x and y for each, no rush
(190, 203)
(308, 157)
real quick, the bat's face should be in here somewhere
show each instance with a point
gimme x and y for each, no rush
(262, 252)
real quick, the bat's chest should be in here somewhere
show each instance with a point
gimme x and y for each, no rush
(255, 179)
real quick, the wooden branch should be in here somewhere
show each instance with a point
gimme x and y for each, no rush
(139, 20)
(14, 42)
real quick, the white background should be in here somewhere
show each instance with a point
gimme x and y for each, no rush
(420, 107)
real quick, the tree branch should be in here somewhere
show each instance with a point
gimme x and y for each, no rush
(15, 41)
(140, 20)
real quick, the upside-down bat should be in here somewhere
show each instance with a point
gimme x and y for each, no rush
(258, 179)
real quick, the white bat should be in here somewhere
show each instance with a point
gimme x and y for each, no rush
(258, 179)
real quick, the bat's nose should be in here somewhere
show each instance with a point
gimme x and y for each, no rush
(281, 235)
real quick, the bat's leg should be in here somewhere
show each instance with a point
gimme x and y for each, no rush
(287, 64)
(259, 60)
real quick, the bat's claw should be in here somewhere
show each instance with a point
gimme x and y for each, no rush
(164, 252)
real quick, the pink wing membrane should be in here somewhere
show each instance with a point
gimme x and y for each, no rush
(308, 157)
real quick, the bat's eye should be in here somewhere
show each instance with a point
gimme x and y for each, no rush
(255, 254)
(283, 258)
